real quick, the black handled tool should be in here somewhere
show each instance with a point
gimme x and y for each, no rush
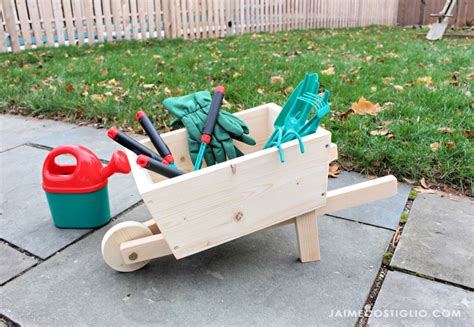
(155, 138)
(158, 167)
(131, 144)
(208, 129)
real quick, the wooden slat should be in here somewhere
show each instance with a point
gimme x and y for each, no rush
(204, 23)
(69, 22)
(116, 16)
(35, 22)
(24, 23)
(178, 19)
(99, 20)
(222, 23)
(166, 18)
(46, 13)
(3, 43)
(125, 13)
(150, 14)
(107, 9)
(77, 14)
(158, 19)
(89, 15)
(215, 17)
(174, 32)
(58, 20)
(184, 18)
(142, 18)
(192, 17)
(134, 19)
(308, 237)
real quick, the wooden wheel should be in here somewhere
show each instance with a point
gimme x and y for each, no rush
(118, 234)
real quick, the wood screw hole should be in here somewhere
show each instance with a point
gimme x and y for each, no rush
(239, 216)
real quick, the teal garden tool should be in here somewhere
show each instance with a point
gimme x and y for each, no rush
(292, 122)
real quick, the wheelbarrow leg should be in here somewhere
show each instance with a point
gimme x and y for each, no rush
(308, 238)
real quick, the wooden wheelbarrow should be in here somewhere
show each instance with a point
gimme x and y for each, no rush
(202, 209)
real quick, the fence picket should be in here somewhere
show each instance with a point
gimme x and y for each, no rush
(125, 14)
(158, 19)
(71, 38)
(24, 23)
(142, 18)
(99, 20)
(107, 8)
(3, 42)
(10, 23)
(88, 13)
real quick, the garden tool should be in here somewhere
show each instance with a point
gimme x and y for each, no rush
(438, 29)
(156, 139)
(158, 167)
(210, 124)
(192, 111)
(309, 84)
(131, 144)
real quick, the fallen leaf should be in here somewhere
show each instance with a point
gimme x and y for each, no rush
(156, 56)
(334, 169)
(387, 105)
(99, 59)
(276, 79)
(149, 86)
(423, 183)
(261, 91)
(388, 80)
(167, 91)
(398, 88)
(289, 89)
(446, 130)
(427, 80)
(426, 191)
(69, 87)
(329, 71)
(379, 132)
(85, 91)
(450, 144)
(409, 181)
(237, 75)
(98, 98)
(345, 115)
(368, 58)
(104, 71)
(470, 76)
(364, 107)
(469, 134)
(434, 146)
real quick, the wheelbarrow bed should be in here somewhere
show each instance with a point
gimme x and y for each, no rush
(202, 209)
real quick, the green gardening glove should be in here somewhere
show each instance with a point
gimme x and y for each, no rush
(192, 110)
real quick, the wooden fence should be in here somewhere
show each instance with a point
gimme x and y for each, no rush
(417, 12)
(34, 23)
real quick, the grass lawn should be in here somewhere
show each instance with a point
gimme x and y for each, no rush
(425, 89)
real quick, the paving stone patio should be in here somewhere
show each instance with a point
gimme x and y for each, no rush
(255, 280)
(407, 300)
(385, 213)
(18, 130)
(438, 239)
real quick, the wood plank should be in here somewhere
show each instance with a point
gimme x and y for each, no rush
(151, 225)
(166, 19)
(24, 23)
(204, 19)
(107, 8)
(89, 15)
(99, 20)
(142, 18)
(184, 18)
(178, 19)
(46, 13)
(69, 22)
(197, 18)
(158, 19)
(125, 15)
(145, 248)
(222, 23)
(308, 238)
(173, 19)
(58, 20)
(134, 19)
(150, 14)
(77, 14)
(3, 43)
(191, 18)
(215, 18)
(117, 18)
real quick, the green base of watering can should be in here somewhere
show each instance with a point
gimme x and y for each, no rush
(80, 210)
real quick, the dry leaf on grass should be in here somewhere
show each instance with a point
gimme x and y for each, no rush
(98, 98)
(398, 88)
(289, 89)
(237, 75)
(470, 76)
(276, 79)
(423, 190)
(379, 132)
(450, 144)
(334, 169)
(468, 134)
(329, 71)
(427, 80)
(446, 130)
(104, 72)
(148, 86)
(69, 87)
(364, 107)
(260, 91)
(434, 146)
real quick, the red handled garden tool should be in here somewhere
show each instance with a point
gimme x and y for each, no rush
(156, 139)
(131, 144)
(208, 129)
(158, 167)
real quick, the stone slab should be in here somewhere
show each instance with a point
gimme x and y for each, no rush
(254, 280)
(438, 239)
(94, 139)
(25, 217)
(13, 262)
(18, 130)
(384, 213)
(407, 300)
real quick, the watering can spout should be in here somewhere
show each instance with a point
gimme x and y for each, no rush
(118, 164)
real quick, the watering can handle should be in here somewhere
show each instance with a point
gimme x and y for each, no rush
(51, 165)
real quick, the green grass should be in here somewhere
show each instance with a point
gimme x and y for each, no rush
(52, 82)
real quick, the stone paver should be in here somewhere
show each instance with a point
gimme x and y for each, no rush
(385, 213)
(438, 239)
(26, 220)
(94, 139)
(407, 300)
(13, 262)
(18, 130)
(255, 280)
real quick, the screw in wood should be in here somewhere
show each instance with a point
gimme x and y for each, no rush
(133, 256)
(239, 216)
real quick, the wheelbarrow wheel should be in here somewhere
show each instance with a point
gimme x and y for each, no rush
(118, 234)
